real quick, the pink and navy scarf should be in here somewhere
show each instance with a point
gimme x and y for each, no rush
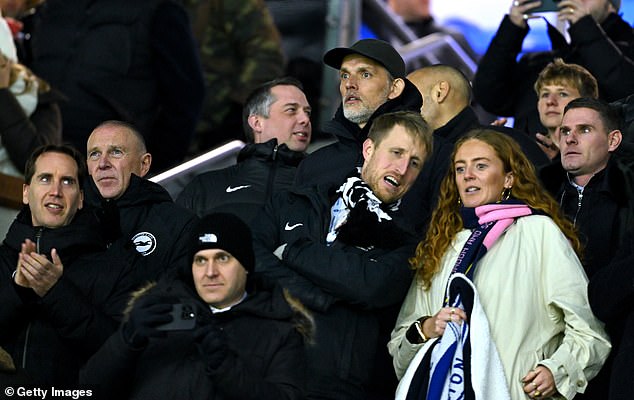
(445, 371)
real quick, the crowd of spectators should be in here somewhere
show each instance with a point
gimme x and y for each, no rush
(420, 251)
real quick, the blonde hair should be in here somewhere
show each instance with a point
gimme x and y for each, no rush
(560, 73)
(446, 221)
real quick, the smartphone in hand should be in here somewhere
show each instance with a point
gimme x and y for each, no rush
(183, 318)
(547, 6)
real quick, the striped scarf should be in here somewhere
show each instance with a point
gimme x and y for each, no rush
(448, 368)
(354, 191)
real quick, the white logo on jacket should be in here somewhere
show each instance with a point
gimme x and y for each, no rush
(291, 227)
(144, 243)
(230, 189)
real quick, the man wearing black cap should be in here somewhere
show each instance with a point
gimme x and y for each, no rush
(372, 83)
(227, 341)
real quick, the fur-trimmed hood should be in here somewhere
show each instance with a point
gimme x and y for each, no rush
(6, 362)
(277, 304)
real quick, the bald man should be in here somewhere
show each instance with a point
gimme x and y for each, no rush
(136, 212)
(447, 108)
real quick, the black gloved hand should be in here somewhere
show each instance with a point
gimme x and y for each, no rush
(212, 344)
(364, 229)
(148, 312)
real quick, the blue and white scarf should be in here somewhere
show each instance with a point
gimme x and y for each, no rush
(446, 372)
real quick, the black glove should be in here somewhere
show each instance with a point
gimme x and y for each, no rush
(212, 344)
(148, 312)
(363, 228)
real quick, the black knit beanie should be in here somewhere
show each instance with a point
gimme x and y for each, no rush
(227, 232)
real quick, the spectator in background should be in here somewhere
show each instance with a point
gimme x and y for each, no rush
(120, 60)
(556, 86)
(601, 41)
(29, 113)
(417, 16)
(239, 49)
(243, 343)
(276, 120)
(447, 109)
(137, 214)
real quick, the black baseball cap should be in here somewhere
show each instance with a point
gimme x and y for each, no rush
(374, 49)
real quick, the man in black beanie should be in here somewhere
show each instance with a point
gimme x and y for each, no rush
(225, 341)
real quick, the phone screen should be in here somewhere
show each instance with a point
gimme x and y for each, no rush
(547, 6)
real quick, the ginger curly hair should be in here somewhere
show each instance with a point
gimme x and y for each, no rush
(446, 221)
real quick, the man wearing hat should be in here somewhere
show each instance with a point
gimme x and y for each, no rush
(372, 82)
(227, 340)
(600, 41)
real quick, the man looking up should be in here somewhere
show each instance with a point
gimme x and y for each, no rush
(372, 82)
(276, 120)
(340, 250)
(66, 294)
(593, 183)
(137, 213)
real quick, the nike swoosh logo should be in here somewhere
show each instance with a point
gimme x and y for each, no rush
(291, 227)
(233, 189)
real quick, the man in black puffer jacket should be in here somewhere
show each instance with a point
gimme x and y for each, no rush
(139, 215)
(67, 294)
(340, 249)
(276, 121)
(241, 342)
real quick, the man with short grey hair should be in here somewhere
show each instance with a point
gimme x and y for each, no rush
(138, 214)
